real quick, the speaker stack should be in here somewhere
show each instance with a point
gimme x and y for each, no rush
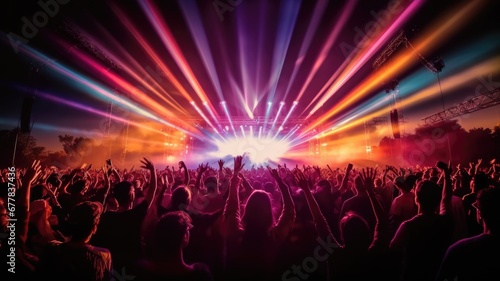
(395, 123)
(26, 114)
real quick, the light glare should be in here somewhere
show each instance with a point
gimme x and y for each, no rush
(258, 150)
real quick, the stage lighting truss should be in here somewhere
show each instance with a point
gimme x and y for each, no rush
(482, 101)
(435, 66)
(256, 121)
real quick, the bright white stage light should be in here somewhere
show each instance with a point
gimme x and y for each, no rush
(258, 151)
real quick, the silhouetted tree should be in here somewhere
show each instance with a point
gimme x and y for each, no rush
(78, 150)
(429, 144)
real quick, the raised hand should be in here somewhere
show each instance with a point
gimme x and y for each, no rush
(317, 169)
(238, 164)
(368, 177)
(274, 173)
(402, 171)
(106, 175)
(221, 164)
(301, 179)
(19, 174)
(109, 163)
(148, 165)
(182, 165)
(330, 169)
(202, 169)
(443, 167)
(33, 172)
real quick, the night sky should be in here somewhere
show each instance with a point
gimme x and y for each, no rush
(88, 53)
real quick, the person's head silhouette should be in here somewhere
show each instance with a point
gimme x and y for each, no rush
(428, 196)
(124, 194)
(258, 215)
(83, 220)
(172, 234)
(181, 198)
(488, 209)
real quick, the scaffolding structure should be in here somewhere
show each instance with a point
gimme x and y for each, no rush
(395, 43)
(482, 101)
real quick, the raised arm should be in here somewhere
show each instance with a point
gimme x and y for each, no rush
(287, 217)
(384, 176)
(476, 167)
(164, 188)
(182, 165)
(492, 169)
(107, 186)
(64, 185)
(23, 204)
(231, 215)
(220, 172)
(317, 169)
(345, 179)
(113, 170)
(201, 170)
(319, 220)
(380, 236)
(445, 207)
(248, 187)
(53, 197)
(150, 195)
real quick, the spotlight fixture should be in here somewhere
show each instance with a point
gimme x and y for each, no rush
(438, 64)
(269, 103)
(391, 85)
(192, 102)
(295, 102)
(205, 103)
(223, 102)
(282, 103)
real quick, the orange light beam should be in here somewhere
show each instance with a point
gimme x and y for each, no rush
(444, 28)
(168, 40)
(151, 85)
(153, 55)
(447, 85)
(360, 58)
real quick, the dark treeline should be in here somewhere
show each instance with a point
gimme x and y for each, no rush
(424, 147)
